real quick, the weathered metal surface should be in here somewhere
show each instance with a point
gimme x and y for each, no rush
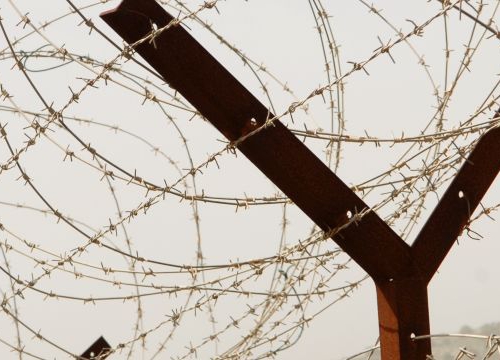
(400, 272)
(403, 312)
(96, 350)
(457, 204)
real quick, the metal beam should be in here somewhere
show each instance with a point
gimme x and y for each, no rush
(403, 313)
(456, 206)
(284, 159)
(401, 272)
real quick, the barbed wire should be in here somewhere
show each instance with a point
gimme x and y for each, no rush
(257, 307)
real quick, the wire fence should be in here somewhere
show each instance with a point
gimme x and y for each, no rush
(105, 179)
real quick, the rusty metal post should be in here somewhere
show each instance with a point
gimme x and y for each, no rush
(401, 272)
(402, 304)
(403, 313)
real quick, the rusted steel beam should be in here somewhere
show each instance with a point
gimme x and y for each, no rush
(403, 312)
(457, 204)
(285, 160)
(403, 304)
(401, 272)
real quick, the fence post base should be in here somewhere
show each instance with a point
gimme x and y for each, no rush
(403, 313)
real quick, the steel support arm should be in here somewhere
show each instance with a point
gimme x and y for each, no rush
(285, 160)
(401, 272)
